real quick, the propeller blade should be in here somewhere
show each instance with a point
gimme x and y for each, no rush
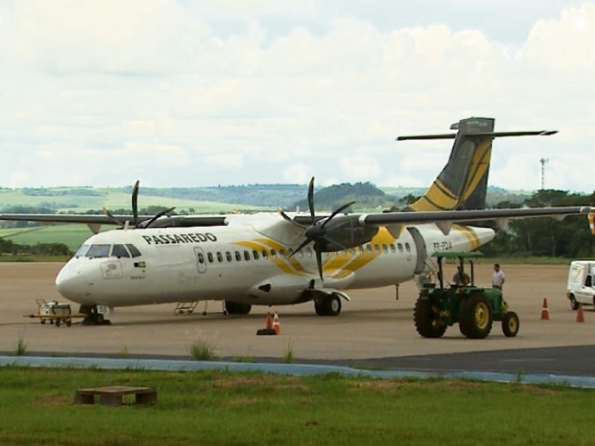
(135, 202)
(311, 200)
(337, 211)
(111, 216)
(319, 262)
(289, 219)
(299, 248)
(157, 216)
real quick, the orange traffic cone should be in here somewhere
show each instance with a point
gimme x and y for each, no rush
(268, 322)
(580, 315)
(545, 312)
(276, 324)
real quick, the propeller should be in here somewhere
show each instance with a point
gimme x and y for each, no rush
(135, 221)
(318, 232)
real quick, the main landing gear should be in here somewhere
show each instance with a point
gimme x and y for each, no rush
(93, 316)
(237, 308)
(328, 306)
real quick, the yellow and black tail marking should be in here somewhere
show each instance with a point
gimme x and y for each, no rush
(463, 182)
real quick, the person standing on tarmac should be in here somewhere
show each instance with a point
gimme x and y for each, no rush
(498, 278)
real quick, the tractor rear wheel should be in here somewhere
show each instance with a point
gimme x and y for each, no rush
(475, 320)
(427, 323)
(510, 324)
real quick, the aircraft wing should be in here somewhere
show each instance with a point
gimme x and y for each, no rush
(468, 216)
(445, 219)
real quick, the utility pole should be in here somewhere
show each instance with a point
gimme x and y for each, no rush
(543, 162)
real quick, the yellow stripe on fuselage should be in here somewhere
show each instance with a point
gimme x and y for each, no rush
(474, 241)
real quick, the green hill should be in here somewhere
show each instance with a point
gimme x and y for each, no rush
(366, 195)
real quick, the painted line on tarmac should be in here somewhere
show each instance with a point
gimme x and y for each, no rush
(584, 382)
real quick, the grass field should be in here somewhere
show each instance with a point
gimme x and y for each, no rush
(243, 409)
(71, 235)
(111, 199)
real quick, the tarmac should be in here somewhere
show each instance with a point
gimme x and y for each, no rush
(374, 330)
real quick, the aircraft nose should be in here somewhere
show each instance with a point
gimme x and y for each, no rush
(69, 283)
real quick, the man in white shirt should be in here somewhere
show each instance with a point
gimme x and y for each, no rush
(498, 278)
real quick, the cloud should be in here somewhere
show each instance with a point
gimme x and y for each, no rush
(158, 89)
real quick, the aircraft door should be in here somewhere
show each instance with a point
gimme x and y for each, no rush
(420, 247)
(201, 260)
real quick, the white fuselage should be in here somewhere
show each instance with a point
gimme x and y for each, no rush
(242, 263)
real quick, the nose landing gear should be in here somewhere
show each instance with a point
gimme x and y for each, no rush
(93, 316)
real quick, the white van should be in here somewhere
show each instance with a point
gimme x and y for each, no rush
(581, 283)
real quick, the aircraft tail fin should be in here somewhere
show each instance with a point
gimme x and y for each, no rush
(463, 182)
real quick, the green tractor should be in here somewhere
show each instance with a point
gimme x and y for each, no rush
(474, 308)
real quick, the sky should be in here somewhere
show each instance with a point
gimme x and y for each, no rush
(196, 93)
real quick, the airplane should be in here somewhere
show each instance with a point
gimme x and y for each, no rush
(288, 258)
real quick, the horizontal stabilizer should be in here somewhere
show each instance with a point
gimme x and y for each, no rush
(488, 134)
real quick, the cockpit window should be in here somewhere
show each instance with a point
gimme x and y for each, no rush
(98, 251)
(134, 251)
(119, 251)
(82, 251)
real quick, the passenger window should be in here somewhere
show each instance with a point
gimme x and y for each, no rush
(264, 254)
(238, 256)
(392, 247)
(247, 256)
(369, 248)
(210, 257)
(273, 253)
(228, 256)
(282, 252)
(361, 250)
(219, 257)
(98, 251)
(119, 251)
(407, 247)
(400, 246)
(385, 248)
(255, 254)
(135, 252)
(201, 257)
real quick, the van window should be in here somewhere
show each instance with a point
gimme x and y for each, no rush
(589, 281)
(98, 251)
(119, 251)
(135, 252)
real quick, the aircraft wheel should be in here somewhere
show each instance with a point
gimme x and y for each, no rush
(330, 306)
(510, 324)
(475, 321)
(58, 323)
(427, 324)
(237, 308)
(573, 303)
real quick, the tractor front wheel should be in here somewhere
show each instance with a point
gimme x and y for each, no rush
(510, 324)
(427, 323)
(475, 320)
